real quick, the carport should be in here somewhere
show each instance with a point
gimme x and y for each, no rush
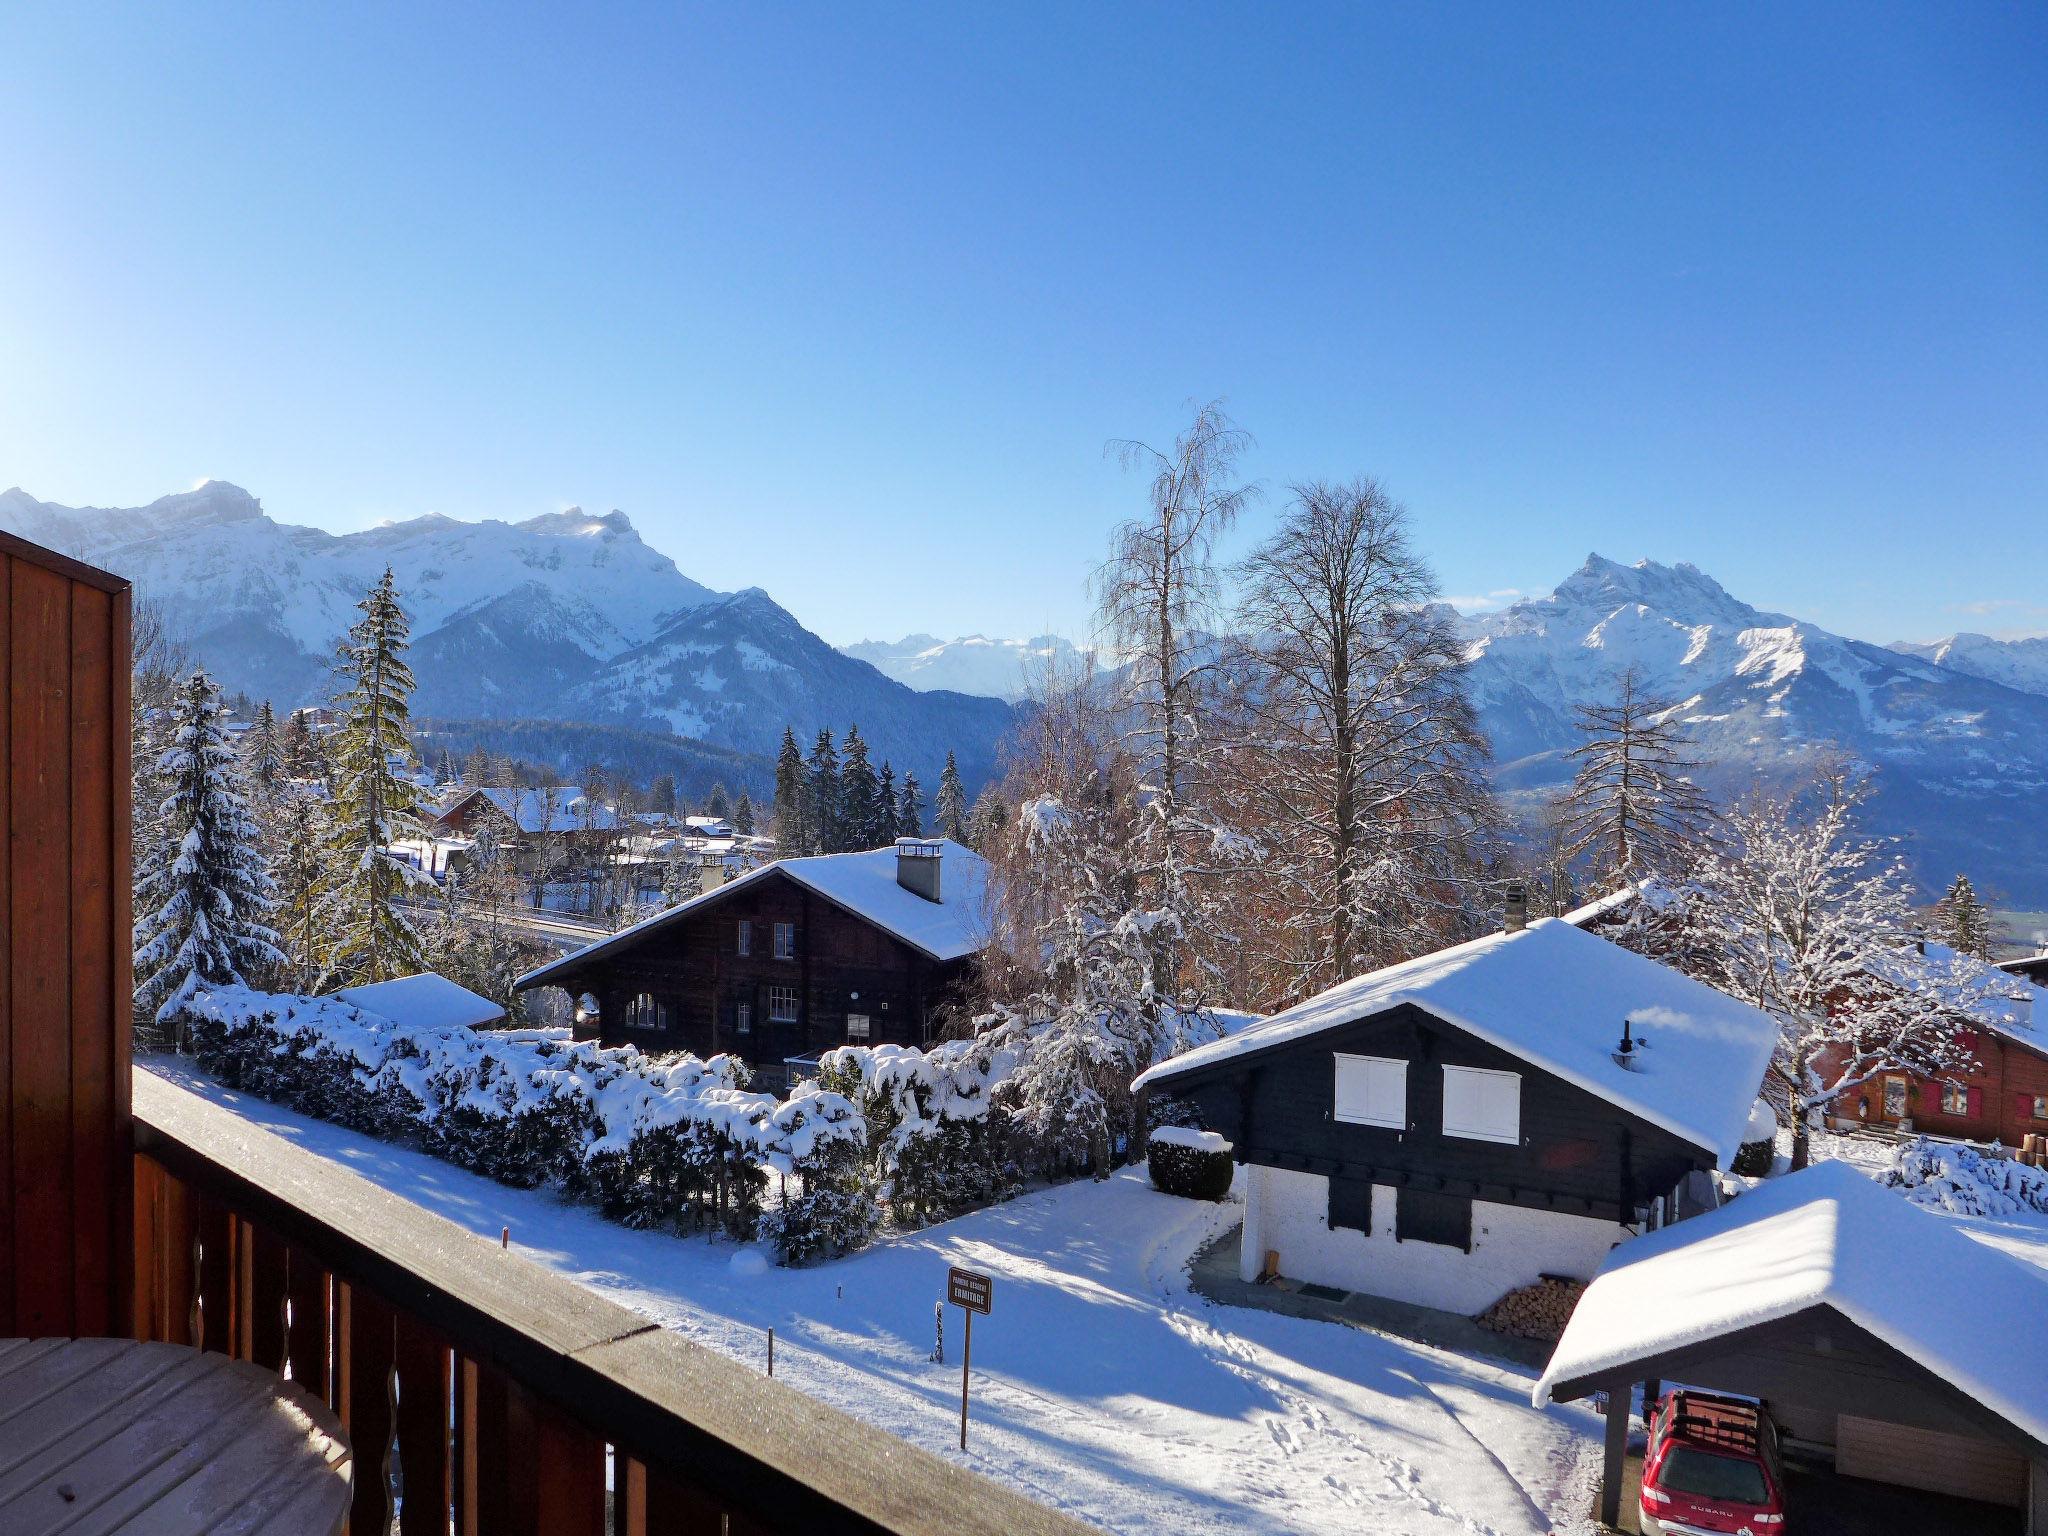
(1881, 1337)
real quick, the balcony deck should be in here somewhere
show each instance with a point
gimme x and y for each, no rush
(530, 1380)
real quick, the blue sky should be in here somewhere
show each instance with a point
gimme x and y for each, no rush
(845, 301)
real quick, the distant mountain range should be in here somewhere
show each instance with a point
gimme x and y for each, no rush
(571, 619)
(1958, 730)
(563, 617)
(1000, 669)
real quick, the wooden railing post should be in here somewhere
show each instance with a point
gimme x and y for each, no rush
(216, 1329)
(424, 1461)
(308, 1345)
(365, 1342)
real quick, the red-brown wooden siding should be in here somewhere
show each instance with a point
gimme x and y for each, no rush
(65, 1203)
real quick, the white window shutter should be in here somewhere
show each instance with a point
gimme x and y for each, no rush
(1372, 1090)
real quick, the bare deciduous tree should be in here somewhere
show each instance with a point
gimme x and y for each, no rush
(1635, 807)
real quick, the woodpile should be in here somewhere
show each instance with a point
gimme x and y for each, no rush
(2034, 1150)
(1537, 1311)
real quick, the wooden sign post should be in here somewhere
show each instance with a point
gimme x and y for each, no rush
(971, 1293)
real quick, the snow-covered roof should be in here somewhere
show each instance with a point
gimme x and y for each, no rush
(1826, 1236)
(425, 1001)
(563, 809)
(1556, 996)
(861, 883)
(2010, 1005)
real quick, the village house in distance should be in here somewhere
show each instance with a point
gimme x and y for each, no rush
(1446, 1130)
(791, 959)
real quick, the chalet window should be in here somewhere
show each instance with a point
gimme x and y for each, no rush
(1955, 1099)
(1423, 1216)
(743, 1019)
(1351, 1205)
(782, 1005)
(2040, 1101)
(785, 941)
(744, 944)
(1895, 1098)
(645, 1013)
(1483, 1105)
(1372, 1090)
(857, 1027)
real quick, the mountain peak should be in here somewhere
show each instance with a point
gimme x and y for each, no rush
(575, 523)
(211, 503)
(1682, 585)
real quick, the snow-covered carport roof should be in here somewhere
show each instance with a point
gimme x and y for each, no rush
(1827, 1237)
(1556, 997)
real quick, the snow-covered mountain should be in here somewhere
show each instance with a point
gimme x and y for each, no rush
(997, 669)
(2021, 664)
(566, 616)
(1962, 760)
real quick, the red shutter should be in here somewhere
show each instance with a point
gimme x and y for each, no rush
(1930, 1098)
(1976, 1102)
(2023, 1105)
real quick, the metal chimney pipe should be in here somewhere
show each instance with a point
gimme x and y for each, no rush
(1518, 907)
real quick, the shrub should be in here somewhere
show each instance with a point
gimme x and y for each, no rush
(1758, 1153)
(1194, 1164)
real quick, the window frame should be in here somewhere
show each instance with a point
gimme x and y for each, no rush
(743, 1018)
(866, 1030)
(652, 1016)
(743, 939)
(2040, 1106)
(1474, 1133)
(785, 941)
(776, 994)
(1339, 1060)
(1956, 1091)
(1895, 1086)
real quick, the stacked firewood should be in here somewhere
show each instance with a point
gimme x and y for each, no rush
(1537, 1311)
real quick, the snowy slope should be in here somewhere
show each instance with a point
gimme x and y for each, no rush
(996, 669)
(1102, 1386)
(1963, 761)
(566, 616)
(2021, 664)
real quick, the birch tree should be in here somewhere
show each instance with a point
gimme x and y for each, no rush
(1805, 918)
(1158, 602)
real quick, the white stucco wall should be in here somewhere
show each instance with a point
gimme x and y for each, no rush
(1288, 1212)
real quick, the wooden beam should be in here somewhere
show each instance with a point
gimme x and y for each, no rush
(1613, 1462)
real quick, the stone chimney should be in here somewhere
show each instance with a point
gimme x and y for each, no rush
(1518, 907)
(917, 865)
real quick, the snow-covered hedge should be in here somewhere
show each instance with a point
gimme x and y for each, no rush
(1961, 1179)
(1192, 1163)
(938, 1139)
(656, 1140)
(1759, 1150)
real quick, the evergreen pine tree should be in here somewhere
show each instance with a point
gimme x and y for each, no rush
(823, 825)
(743, 815)
(720, 803)
(205, 885)
(303, 757)
(1965, 922)
(790, 816)
(986, 822)
(374, 804)
(951, 805)
(859, 791)
(885, 831)
(299, 840)
(263, 765)
(910, 808)
(662, 796)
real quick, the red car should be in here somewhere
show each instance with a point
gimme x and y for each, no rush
(1712, 1468)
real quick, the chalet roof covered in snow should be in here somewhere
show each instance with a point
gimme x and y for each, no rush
(425, 1001)
(1826, 1236)
(1557, 996)
(863, 884)
(564, 808)
(2007, 1004)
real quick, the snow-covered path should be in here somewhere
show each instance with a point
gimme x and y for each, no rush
(1102, 1385)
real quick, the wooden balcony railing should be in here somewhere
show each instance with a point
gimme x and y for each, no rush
(493, 1393)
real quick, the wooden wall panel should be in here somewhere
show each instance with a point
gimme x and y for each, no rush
(67, 1214)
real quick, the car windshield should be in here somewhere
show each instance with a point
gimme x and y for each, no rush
(1707, 1476)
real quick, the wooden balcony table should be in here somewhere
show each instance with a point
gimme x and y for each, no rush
(106, 1436)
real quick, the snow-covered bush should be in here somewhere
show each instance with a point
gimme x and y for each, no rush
(1962, 1180)
(937, 1140)
(816, 1142)
(1194, 1164)
(1758, 1153)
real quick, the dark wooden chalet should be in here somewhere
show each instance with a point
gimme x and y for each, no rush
(1445, 1130)
(791, 959)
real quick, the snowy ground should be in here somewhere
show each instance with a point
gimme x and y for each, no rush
(1102, 1385)
(2024, 1236)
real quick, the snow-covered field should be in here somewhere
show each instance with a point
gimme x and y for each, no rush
(1102, 1385)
